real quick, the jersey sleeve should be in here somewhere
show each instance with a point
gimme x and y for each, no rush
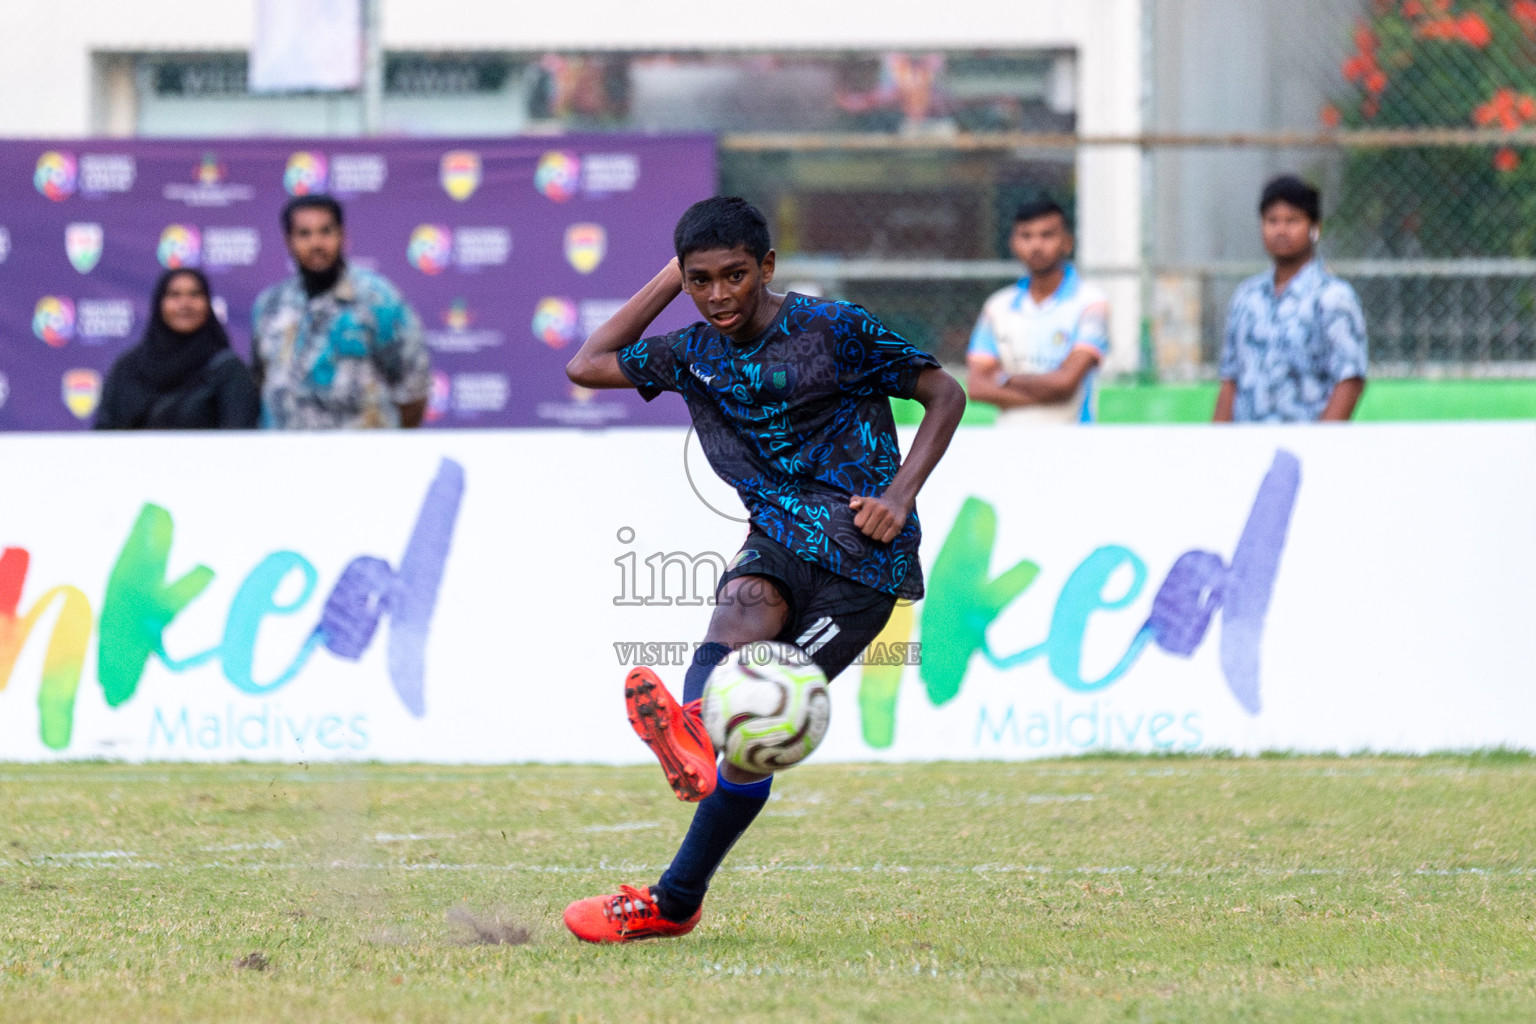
(1230, 342)
(1343, 326)
(1093, 323)
(400, 349)
(652, 364)
(874, 360)
(984, 337)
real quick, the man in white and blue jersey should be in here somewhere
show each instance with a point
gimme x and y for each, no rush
(1037, 343)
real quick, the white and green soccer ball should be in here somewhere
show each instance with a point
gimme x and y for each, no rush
(766, 707)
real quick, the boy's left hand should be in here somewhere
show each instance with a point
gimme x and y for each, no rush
(879, 519)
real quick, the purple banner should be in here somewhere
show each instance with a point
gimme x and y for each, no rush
(510, 250)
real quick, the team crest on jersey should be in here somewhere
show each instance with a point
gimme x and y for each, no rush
(460, 173)
(585, 246)
(82, 390)
(83, 245)
(777, 381)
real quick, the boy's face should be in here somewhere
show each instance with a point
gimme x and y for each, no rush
(1042, 244)
(1287, 231)
(730, 288)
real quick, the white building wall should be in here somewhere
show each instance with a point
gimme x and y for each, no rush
(48, 87)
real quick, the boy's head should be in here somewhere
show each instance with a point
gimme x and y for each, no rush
(1289, 213)
(726, 260)
(721, 222)
(1041, 238)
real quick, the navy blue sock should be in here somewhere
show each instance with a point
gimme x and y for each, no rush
(708, 655)
(720, 820)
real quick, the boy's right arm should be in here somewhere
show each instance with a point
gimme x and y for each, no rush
(596, 363)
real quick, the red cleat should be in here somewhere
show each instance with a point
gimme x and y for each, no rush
(627, 917)
(674, 732)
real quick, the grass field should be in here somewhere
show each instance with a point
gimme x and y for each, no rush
(1369, 889)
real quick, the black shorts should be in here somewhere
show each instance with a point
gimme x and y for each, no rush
(831, 618)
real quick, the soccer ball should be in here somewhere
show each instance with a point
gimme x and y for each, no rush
(766, 707)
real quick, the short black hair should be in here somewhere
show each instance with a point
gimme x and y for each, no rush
(1043, 206)
(1290, 189)
(313, 202)
(722, 222)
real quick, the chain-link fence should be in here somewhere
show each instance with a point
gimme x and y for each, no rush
(1415, 117)
(891, 176)
(917, 231)
(1433, 237)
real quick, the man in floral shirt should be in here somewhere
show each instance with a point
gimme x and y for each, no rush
(1295, 349)
(335, 347)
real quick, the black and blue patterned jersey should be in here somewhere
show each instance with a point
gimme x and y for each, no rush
(798, 422)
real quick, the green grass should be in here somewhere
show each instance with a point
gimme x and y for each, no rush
(1177, 889)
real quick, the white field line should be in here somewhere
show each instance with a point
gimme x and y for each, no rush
(124, 859)
(626, 826)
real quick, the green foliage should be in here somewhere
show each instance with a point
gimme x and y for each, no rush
(1424, 64)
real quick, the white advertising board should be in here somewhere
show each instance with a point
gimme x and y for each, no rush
(477, 597)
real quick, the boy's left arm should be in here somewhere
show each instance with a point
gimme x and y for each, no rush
(943, 402)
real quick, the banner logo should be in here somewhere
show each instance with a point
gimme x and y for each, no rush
(208, 171)
(558, 175)
(180, 246)
(554, 321)
(430, 248)
(82, 244)
(437, 402)
(457, 316)
(53, 320)
(460, 173)
(305, 175)
(82, 390)
(140, 603)
(585, 246)
(57, 175)
(964, 598)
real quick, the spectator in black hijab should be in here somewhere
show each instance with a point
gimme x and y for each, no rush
(182, 375)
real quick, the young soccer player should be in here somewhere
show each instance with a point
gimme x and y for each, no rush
(788, 395)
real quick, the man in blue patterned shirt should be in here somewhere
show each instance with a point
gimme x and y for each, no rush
(1295, 348)
(335, 346)
(789, 396)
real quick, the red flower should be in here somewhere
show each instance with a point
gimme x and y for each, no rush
(1331, 116)
(1524, 11)
(1508, 109)
(1469, 28)
(1371, 107)
(1376, 82)
(1506, 160)
(1474, 31)
(1413, 9)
